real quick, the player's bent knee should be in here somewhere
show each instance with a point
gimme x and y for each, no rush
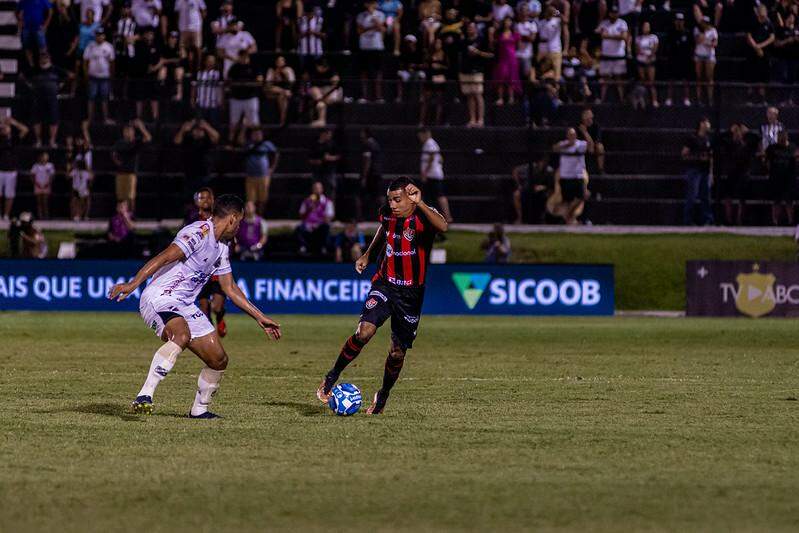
(365, 332)
(219, 363)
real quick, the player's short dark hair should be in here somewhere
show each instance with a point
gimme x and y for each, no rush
(228, 204)
(202, 190)
(400, 183)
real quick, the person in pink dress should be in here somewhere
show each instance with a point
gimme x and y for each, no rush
(506, 70)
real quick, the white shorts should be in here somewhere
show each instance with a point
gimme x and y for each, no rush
(612, 67)
(149, 309)
(8, 184)
(250, 108)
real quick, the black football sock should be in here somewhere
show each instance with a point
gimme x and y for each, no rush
(391, 373)
(349, 352)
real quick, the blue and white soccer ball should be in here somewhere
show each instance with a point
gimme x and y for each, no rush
(345, 399)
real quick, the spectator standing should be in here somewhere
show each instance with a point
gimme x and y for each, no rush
(527, 29)
(252, 236)
(770, 131)
(224, 26)
(646, 46)
(191, 14)
(532, 184)
(436, 68)
(710, 9)
(197, 138)
(62, 37)
(207, 91)
(786, 55)
(371, 31)
(613, 63)
(550, 43)
(496, 245)
(145, 70)
(124, 48)
(696, 152)
(679, 58)
(260, 160)
(174, 62)
(431, 171)
(280, 85)
(147, 14)
(707, 38)
(781, 160)
(323, 159)
(474, 55)
(8, 161)
(236, 42)
(738, 149)
(325, 90)
(411, 67)
(288, 12)
(99, 60)
(245, 87)
(79, 149)
(311, 30)
(316, 213)
(33, 17)
(759, 39)
(350, 243)
(429, 12)
(101, 9)
(42, 173)
(81, 191)
(589, 129)
(120, 231)
(86, 35)
(506, 69)
(393, 11)
(34, 245)
(45, 82)
(125, 156)
(371, 172)
(572, 172)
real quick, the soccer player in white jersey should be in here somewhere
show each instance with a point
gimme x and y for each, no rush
(167, 303)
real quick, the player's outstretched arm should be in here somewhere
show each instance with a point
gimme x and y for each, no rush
(172, 253)
(235, 294)
(435, 218)
(363, 261)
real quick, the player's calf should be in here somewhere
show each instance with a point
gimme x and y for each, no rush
(351, 349)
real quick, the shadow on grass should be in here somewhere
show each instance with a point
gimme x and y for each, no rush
(121, 411)
(303, 409)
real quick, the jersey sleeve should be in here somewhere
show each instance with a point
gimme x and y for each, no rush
(223, 266)
(189, 239)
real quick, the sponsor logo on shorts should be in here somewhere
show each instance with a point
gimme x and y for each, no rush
(411, 319)
(379, 295)
(371, 303)
(409, 234)
(154, 325)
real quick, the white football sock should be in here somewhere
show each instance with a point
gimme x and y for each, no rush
(207, 385)
(163, 361)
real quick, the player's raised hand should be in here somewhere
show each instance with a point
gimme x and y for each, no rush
(413, 193)
(120, 291)
(270, 327)
(362, 263)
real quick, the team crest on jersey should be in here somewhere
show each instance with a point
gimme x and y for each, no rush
(371, 303)
(409, 234)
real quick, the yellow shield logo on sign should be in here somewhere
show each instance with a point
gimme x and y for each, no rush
(755, 293)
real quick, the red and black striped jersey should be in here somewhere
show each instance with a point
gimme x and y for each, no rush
(407, 252)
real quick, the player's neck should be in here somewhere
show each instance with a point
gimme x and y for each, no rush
(218, 229)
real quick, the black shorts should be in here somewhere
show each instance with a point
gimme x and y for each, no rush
(209, 289)
(572, 189)
(402, 304)
(434, 188)
(735, 187)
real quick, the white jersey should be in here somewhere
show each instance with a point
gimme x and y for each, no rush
(205, 257)
(613, 48)
(572, 160)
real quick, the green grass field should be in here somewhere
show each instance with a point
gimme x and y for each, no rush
(614, 424)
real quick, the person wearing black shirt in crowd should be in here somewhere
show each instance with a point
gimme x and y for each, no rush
(532, 184)
(325, 89)
(697, 152)
(144, 68)
(197, 138)
(411, 66)
(324, 158)
(46, 81)
(245, 88)
(371, 176)
(8, 161)
(781, 160)
(786, 54)
(588, 126)
(474, 54)
(679, 49)
(759, 39)
(738, 149)
(62, 37)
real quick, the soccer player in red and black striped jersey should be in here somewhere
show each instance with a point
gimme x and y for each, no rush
(408, 227)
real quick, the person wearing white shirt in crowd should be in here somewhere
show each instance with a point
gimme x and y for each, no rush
(371, 35)
(42, 173)
(431, 171)
(528, 31)
(147, 13)
(191, 14)
(646, 46)
(613, 61)
(223, 26)
(550, 44)
(500, 10)
(101, 8)
(311, 30)
(572, 174)
(99, 60)
(706, 38)
(81, 191)
(237, 42)
(533, 7)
